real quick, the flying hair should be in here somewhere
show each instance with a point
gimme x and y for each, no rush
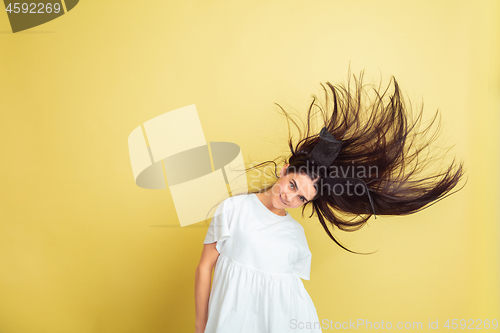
(383, 146)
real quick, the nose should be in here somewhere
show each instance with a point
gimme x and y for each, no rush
(290, 197)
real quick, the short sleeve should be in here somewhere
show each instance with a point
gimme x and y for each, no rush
(303, 266)
(219, 228)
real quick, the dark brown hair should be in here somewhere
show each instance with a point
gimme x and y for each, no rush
(378, 133)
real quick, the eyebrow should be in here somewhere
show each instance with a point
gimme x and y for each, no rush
(295, 184)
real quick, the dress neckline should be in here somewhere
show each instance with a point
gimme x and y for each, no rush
(267, 211)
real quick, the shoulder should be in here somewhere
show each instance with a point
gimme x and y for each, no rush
(296, 224)
(234, 202)
(298, 231)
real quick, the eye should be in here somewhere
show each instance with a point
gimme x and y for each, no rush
(303, 199)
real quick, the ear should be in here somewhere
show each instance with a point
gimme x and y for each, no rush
(282, 172)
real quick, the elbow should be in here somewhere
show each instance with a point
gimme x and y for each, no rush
(204, 268)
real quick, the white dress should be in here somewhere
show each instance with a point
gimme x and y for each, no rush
(256, 286)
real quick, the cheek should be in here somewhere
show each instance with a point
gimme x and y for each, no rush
(277, 189)
(281, 186)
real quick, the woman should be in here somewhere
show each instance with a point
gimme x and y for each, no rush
(369, 158)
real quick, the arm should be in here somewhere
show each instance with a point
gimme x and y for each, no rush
(203, 279)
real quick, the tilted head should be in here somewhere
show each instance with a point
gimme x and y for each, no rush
(294, 188)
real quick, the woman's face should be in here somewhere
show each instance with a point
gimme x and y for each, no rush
(292, 190)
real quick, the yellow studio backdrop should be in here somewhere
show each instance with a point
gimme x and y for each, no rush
(84, 249)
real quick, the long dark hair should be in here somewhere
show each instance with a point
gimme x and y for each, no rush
(378, 133)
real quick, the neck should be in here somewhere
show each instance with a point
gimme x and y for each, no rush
(267, 200)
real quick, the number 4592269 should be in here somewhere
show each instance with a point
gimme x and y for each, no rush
(469, 324)
(31, 8)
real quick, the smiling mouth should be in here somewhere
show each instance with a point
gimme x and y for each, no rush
(283, 201)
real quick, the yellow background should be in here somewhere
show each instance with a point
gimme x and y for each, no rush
(83, 249)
